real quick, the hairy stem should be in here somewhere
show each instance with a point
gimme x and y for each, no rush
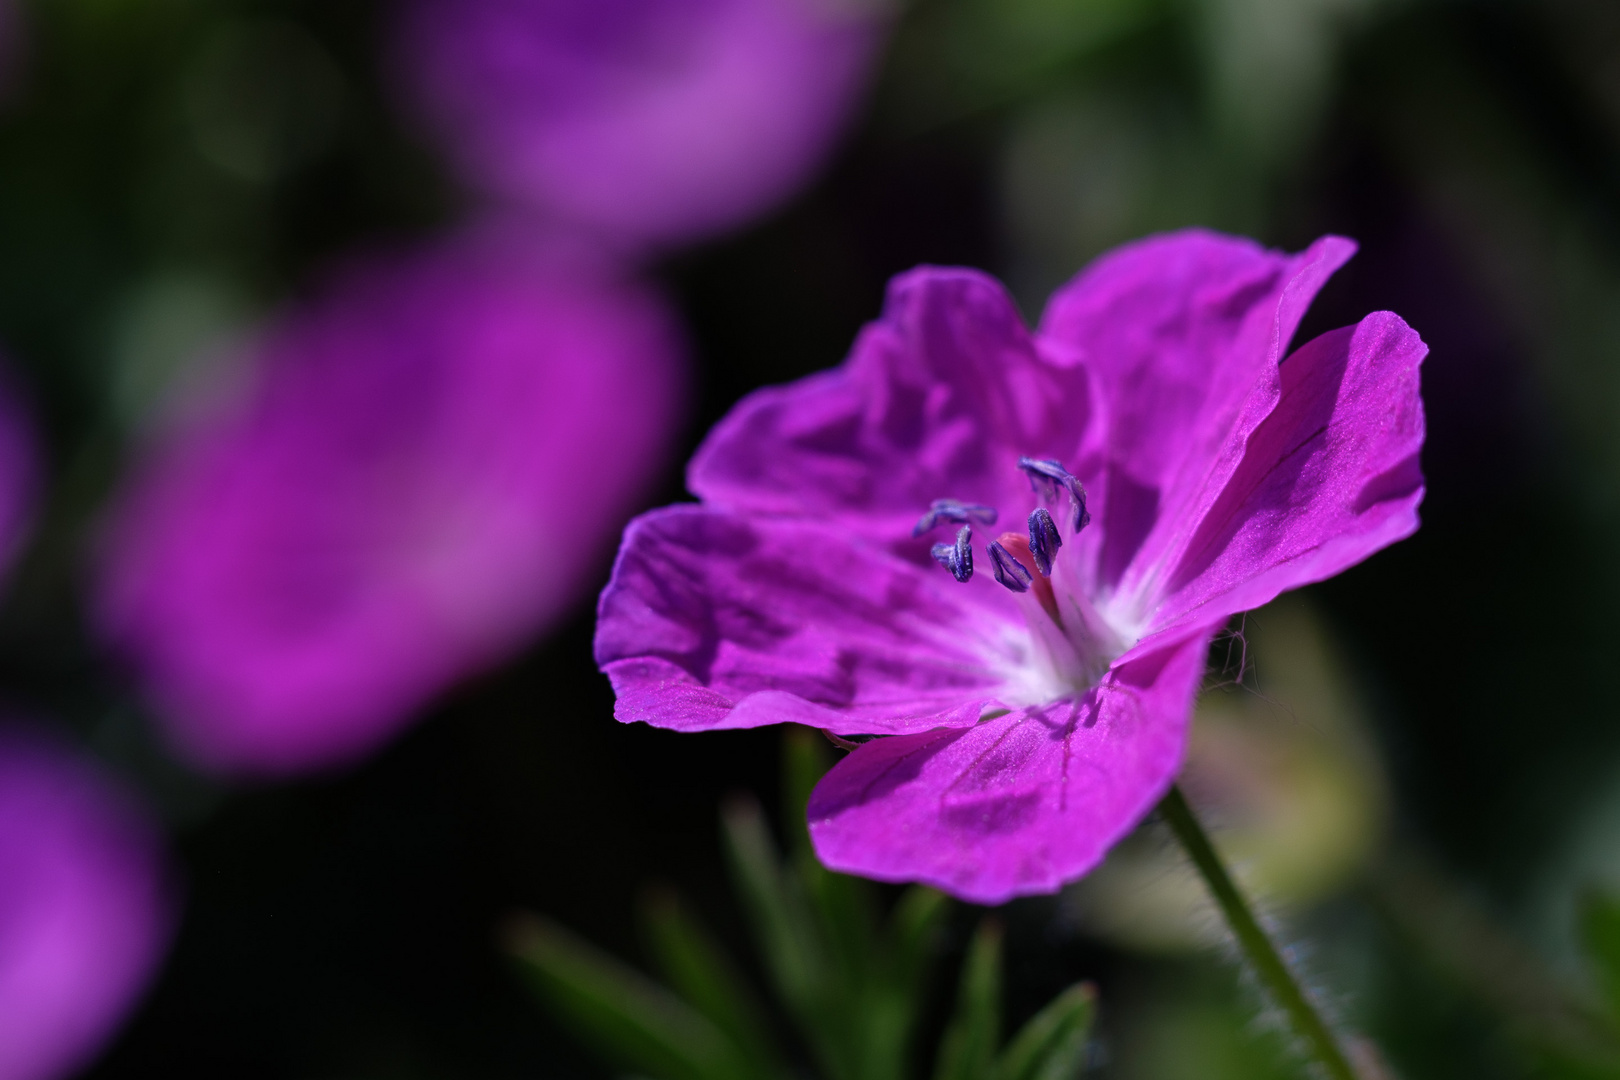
(1262, 953)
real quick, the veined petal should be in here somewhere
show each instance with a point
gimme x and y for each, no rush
(1176, 332)
(1020, 804)
(1329, 477)
(718, 620)
(938, 399)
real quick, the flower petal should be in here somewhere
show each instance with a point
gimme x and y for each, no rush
(433, 456)
(1016, 805)
(645, 120)
(1176, 332)
(87, 907)
(717, 620)
(938, 400)
(1329, 477)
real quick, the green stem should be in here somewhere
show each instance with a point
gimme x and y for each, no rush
(1268, 963)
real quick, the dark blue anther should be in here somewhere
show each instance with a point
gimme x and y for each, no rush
(1077, 499)
(1044, 540)
(1047, 477)
(955, 512)
(957, 557)
(1008, 570)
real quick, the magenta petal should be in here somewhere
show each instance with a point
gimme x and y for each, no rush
(85, 910)
(938, 400)
(1217, 474)
(1329, 477)
(1176, 331)
(654, 120)
(429, 469)
(714, 620)
(1017, 805)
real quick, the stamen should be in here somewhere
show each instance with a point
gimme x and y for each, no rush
(1077, 500)
(1044, 540)
(1008, 570)
(1047, 476)
(1044, 475)
(958, 557)
(955, 512)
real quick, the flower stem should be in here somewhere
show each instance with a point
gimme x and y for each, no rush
(1268, 963)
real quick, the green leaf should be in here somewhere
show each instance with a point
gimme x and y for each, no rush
(846, 911)
(914, 929)
(701, 973)
(627, 1017)
(892, 997)
(806, 757)
(1052, 1045)
(843, 905)
(794, 955)
(1600, 933)
(794, 944)
(968, 1050)
(861, 1027)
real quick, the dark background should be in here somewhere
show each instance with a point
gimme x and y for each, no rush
(344, 926)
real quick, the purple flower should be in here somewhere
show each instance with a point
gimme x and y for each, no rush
(425, 472)
(85, 912)
(1148, 442)
(646, 120)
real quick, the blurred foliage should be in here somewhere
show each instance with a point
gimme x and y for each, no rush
(853, 986)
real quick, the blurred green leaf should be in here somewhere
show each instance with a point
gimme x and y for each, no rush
(778, 912)
(862, 1020)
(897, 990)
(793, 943)
(844, 906)
(862, 1023)
(853, 985)
(813, 929)
(627, 1017)
(968, 1050)
(1052, 1045)
(1600, 934)
(702, 974)
(806, 757)
(914, 929)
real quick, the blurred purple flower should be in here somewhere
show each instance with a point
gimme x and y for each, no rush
(425, 473)
(1036, 718)
(85, 912)
(645, 120)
